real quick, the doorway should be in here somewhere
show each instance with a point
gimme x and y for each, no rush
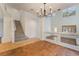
(19, 33)
(1, 28)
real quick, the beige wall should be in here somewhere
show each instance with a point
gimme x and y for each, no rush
(8, 25)
(30, 24)
(7, 33)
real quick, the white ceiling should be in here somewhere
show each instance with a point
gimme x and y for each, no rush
(35, 7)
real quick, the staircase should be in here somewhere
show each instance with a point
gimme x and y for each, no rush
(19, 33)
(0, 39)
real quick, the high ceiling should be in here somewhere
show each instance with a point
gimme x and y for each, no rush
(35, 7)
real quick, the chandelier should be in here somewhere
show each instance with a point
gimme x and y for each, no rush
(44, 11)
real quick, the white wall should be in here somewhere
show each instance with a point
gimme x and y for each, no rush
(44, 26)
(58, 20)
(47, 23)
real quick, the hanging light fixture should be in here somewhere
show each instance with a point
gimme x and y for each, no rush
(44, 11)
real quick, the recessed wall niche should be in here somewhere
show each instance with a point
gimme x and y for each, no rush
(69, 28)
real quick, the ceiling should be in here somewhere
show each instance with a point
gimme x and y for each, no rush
(35, 7)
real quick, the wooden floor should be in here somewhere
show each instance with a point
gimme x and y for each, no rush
(10, 46)
(41, 48)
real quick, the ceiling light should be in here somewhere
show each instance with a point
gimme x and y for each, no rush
(44, 11)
